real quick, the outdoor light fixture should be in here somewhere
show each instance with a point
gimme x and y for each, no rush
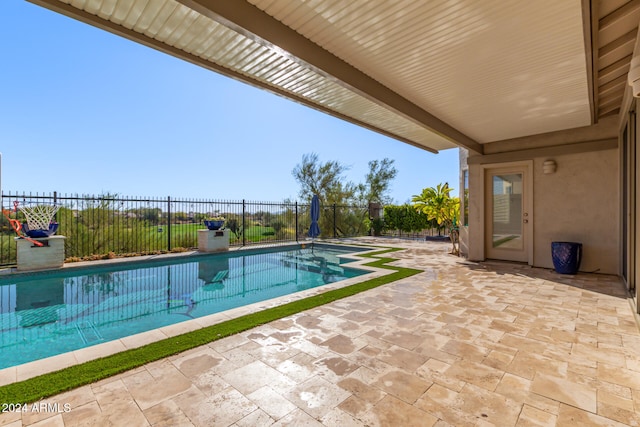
(549, 166)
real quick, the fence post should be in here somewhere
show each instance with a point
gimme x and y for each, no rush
(296, 221)
(55, 202)
(244, 230)
(169, 223)
(335, 231)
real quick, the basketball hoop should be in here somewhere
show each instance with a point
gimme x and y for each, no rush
(39, 221)
(39, 217)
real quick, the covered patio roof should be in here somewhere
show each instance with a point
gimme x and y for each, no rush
(434, 74)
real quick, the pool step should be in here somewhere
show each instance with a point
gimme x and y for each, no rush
(88, 332)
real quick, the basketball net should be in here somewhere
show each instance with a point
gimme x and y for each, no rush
(39, 216)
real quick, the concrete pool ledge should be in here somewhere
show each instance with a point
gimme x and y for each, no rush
(58, 362)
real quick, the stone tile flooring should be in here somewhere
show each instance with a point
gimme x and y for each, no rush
(462, 344)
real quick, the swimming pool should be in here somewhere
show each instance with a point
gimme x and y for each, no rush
(49, 313)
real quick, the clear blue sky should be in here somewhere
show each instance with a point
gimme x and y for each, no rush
(85, 111)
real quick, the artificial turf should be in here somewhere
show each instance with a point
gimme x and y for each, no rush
(46, 385)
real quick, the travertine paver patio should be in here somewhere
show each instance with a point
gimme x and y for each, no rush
(462, 344)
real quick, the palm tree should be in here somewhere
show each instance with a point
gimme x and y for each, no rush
(439, 206)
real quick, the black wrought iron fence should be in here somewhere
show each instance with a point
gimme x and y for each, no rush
(97, 226)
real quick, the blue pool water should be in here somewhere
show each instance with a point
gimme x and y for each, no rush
(44, 314)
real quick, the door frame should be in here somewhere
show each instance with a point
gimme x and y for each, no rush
(527, 199)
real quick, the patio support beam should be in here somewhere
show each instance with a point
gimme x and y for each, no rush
(557, 150)
(255, 24)
(590, 23)
(604, 129)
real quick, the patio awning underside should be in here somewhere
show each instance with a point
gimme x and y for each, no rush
(433, 74)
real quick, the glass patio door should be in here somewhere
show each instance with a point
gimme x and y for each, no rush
(506, 215)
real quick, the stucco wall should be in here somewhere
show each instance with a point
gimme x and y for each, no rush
(475, 232)
(579, 203)
(464, 231)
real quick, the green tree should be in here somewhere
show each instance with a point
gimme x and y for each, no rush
(277, 225)
(180, 216)
(328, 182)
(438, 205)
(324, 179)
(405, 218)
(416, 221)
(263, 217)
(378, 182)
(151, 215)
(234, 223)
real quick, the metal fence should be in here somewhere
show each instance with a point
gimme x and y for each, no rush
(99, 226)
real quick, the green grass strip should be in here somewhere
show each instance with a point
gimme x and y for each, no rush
(50, 384)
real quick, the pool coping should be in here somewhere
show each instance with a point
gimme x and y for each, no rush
(55, 363)
(170, 255)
